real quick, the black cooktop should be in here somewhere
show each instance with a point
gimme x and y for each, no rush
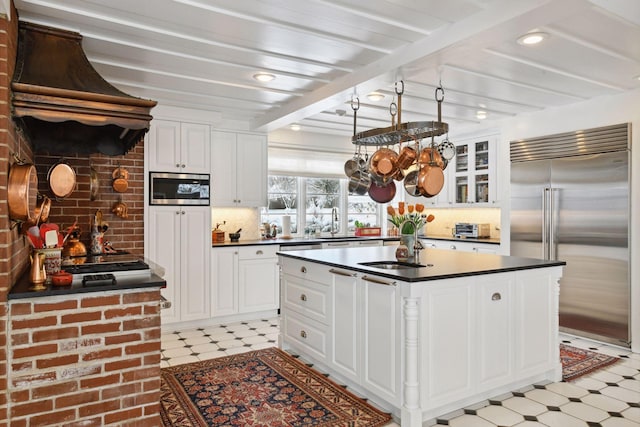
(104, 263)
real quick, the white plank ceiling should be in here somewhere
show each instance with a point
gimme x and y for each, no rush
(203, 54)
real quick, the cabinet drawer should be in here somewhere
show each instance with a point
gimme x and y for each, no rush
(310, 336)
(257, 252)
(306, 297)
(304, 269)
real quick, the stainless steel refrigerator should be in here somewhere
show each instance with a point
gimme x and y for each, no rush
(570, 202)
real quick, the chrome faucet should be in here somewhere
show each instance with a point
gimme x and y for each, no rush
(334, 220)
(417, 245)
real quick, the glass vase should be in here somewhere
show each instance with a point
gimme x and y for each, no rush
(408, 240)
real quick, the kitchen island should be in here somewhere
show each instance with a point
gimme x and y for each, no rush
(423, 338)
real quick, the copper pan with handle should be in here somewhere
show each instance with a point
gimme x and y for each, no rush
(22, 191)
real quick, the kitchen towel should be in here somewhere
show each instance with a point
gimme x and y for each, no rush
(286, 226)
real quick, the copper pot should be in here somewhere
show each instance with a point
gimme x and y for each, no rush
(62, 180)
(430, 156)
(384, 163)
(430, 180)
(73, 247)
(22, 191)
(120, 176)
(407, 157)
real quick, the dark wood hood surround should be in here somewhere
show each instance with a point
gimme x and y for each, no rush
(63, 105)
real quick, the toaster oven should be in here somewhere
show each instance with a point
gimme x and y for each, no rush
(466, 229)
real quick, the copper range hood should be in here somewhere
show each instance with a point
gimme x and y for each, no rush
(63, 105)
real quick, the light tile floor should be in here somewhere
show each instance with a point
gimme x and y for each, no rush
(609, 397)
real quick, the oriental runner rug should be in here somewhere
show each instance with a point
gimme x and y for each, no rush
(260, 388)
(577, 362)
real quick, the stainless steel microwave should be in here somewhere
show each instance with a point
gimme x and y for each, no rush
(465, 229)
(168, 188)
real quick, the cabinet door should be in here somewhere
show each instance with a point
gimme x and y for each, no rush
(195, 241)
(195, 148)
(164, 250)
(223, 168)
(448, 308)
(345, 325)
(251, 184)
(495, 335)
(164, 146)
(474, 172)
(224, 295)
(381, 335)
(258, 285)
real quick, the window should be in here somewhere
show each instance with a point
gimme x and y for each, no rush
(320, 196)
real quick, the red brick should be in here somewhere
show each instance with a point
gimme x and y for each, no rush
(121, 390)
(99, 408)
(153, 409)
(139, 297)
(82, 317)
(152, 334)
(141, 374)
(135, 325)
(17, 367)
(142, 348)
(35, 350)
(20, 308)
(55, 334)
(122, 364)
(151, 309)
(20, 395)
(76, 399)
(57, 361)
(20, 339)
(122, 312)
(89, 383)
(34, 323)
(122, 415)
(103, 354)
(141, 399)
(152, 359)
(101, 301)
(54, 389)
(16, 423)
(31, 407)
(122, 338)
(77, 372)
(25, 380)
(55, 306)
(93, 422)
(101, 328)
(53, 418)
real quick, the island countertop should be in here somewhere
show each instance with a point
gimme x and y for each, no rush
(435, 264)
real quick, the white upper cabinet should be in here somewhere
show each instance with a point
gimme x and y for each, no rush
(472, 173)
(239, 169)
(179, 147)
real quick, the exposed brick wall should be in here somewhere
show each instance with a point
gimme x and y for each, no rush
(87, 359)
(126, 234)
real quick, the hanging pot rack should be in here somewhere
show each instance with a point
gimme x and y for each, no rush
(402, 132)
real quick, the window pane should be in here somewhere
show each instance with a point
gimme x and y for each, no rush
(363, 210)
(282, 196)
(323, 194)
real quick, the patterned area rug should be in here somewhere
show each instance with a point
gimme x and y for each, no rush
(577, 362)
(260, 388)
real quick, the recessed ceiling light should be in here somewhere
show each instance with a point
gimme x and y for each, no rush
(532, 38)
(637, 77)
(375, 96)
(481, 115)
(264, 77)
(294, 127)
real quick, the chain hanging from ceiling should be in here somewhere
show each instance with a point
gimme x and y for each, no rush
(401, 154)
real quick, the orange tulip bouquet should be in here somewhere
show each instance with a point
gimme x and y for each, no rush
(406, 220)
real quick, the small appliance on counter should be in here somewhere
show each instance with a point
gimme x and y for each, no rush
(467, 229)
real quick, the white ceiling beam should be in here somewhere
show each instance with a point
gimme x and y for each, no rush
(511, 13)
(284, 25)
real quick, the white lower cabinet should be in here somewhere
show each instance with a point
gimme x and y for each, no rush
(177, 243)
(244, 279)
(486, 248)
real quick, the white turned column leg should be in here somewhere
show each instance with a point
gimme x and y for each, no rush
(411, 415)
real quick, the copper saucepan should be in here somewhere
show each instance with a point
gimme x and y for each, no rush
(22, 191)
(383, 163)
(120, 176)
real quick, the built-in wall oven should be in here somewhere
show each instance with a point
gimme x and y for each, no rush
(169, 188)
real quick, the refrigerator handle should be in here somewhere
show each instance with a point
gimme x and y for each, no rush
(552, 224)
(545, 222)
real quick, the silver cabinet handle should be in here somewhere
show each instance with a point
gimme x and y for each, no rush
(259, 252)
(378, 281)
(303, 334)
(182, 212)
(303, 297)
(177, 212)
(177, 165)
(182, 166)
(303, 269)
(453, 247)
(496, 296)
(341, 273)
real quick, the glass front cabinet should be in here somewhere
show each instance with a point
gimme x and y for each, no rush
(472, 172)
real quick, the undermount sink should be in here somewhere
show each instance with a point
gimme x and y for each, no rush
(393, 265)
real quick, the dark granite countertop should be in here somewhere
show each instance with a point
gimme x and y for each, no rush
(438, 263)
(318, 240)
(22, 288)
